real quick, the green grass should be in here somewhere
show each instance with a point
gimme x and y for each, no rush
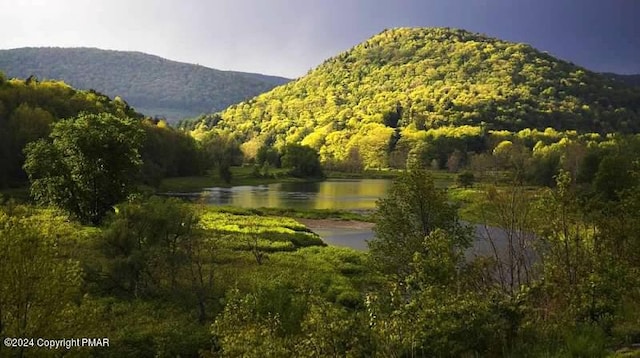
(265, 233)
(465, 198)
(367, 174)
(295, 213)
(296, 259)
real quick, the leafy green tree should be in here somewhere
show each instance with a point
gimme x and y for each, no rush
(583, 278)
(26, 125)
(39, 287)
(168, 152)
(222, 151)
(430, 313)
(241, 330)
(411, 210)
(613, 176)
(147, 245)
(303, 161)
(268, 155)
(89, 163)
(329, 330)
(27, 112)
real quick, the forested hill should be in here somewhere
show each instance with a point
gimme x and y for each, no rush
(402, 82)
(633, 80)
(151, 84)
(30, 108)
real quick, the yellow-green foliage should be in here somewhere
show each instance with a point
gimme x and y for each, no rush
(420, 80)
(29, 107)
(40, 276)
(269, 233)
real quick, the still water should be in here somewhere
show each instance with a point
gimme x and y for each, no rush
(348, 194)
(351, 194)
(359, 194)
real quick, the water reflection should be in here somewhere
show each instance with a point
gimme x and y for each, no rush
(360, 194)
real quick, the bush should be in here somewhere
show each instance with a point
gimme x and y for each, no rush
(465, 179)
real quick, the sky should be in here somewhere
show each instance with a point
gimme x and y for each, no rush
(290, 37)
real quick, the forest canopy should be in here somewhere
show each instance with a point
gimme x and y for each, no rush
(153, 85)
(389, 93)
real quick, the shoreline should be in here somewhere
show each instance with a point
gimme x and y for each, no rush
(325, 224)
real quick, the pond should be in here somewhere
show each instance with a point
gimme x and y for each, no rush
(352, 194)
(344, 194)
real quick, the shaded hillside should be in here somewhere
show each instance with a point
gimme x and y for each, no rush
(632, 80)
(403, 83)
(152, 85)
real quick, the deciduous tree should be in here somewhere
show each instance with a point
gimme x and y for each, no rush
(89, 164)
(412, 209)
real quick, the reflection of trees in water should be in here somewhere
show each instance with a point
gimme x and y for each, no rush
(359, 194)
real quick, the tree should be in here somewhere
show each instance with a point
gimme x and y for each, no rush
(431, 312)
(303, 161)
(26, 124)
(584, 280)
(613, 176)
(89, 163)
(39, 288)
(412, 209)
(146, 245)
(222, 151)
(268, 155)
(507, 223)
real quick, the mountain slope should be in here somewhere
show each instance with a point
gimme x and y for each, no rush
(631, 80)
(151, 84)
(403, 82)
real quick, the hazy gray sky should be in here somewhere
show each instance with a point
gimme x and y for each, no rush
(289, 37)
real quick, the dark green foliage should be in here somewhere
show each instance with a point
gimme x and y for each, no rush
(28, 110)
(412, 209)
(465, 179)
(153, 85)
(268, 155)
(145, 243)
(542, 170)
(221, 152)
(613, 176)
(148, 329)
(89, 164)
(303, 161)
(589, 167)
(168, 152)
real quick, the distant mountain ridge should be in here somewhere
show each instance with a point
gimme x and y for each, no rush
(152, 85)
